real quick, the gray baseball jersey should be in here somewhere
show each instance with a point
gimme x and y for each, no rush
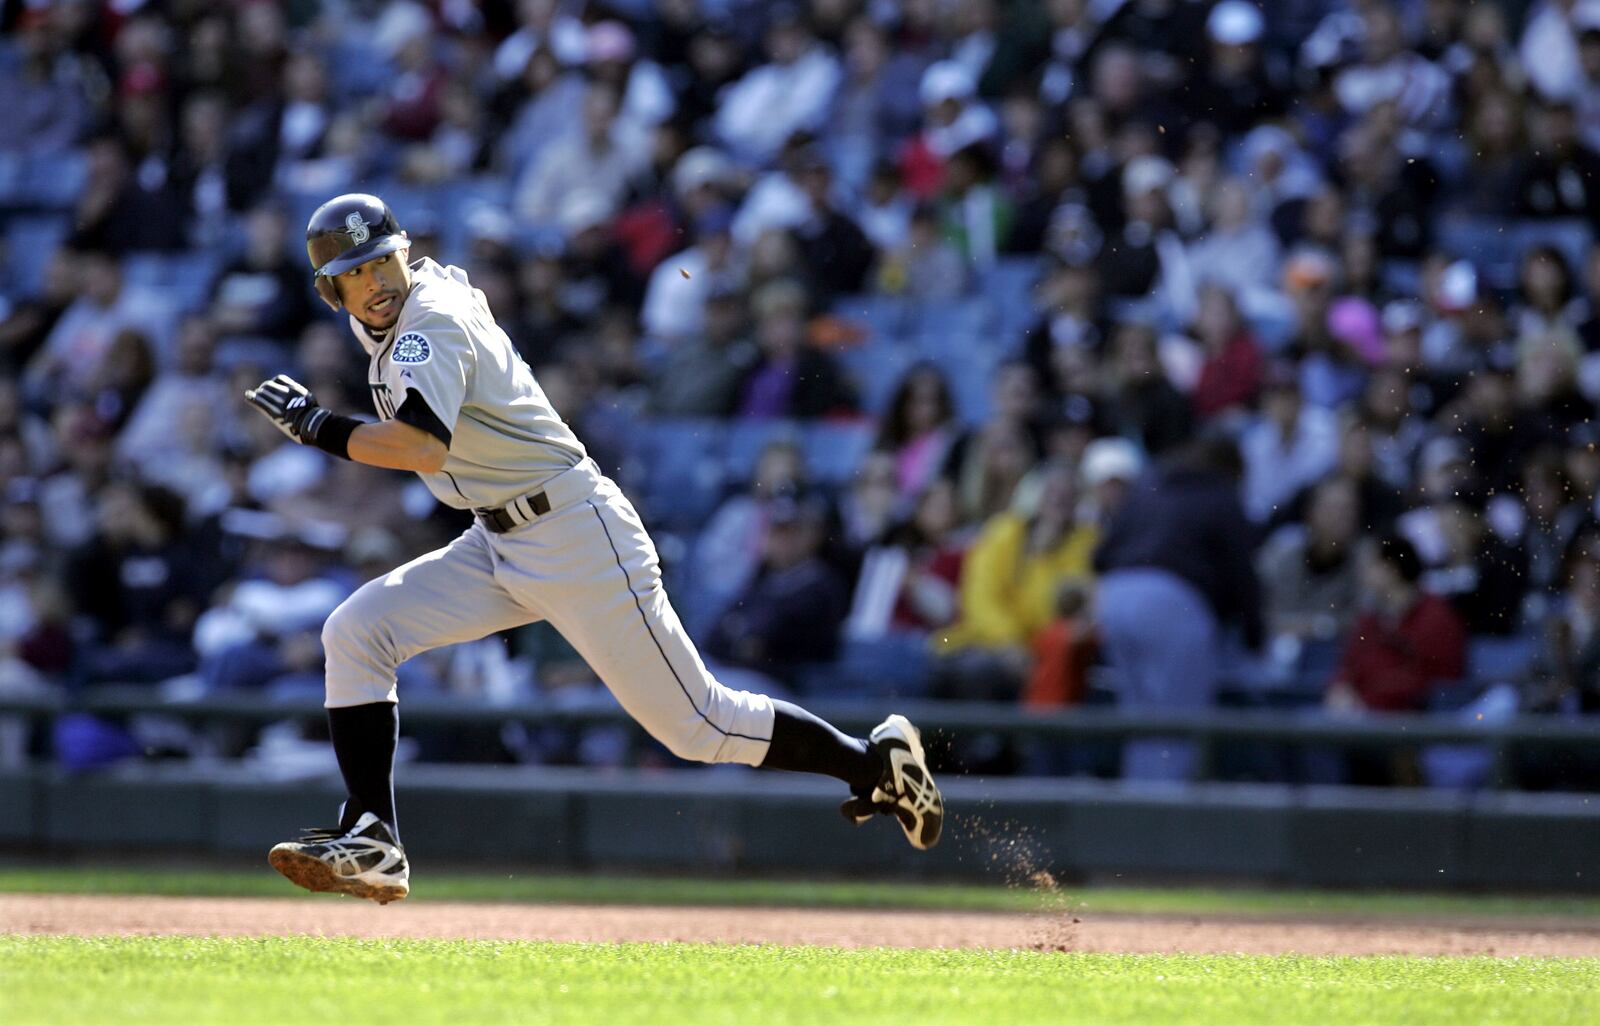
(504, 437)
(581, 560)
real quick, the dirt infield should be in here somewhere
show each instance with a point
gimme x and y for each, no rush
(109, 915)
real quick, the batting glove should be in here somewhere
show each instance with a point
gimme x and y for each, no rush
(290, 406)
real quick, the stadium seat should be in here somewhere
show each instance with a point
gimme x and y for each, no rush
(887, 318)
(184, 279)
(1493, 660)
(680, 469)
(29, 243)
(1488, 243)
(55, 181)
(876, 370)
(1007, 288)
(835, 450)
(966, 318)
(747, 438)
(1572, 238)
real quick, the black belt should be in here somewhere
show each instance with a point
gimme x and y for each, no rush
(504, 518)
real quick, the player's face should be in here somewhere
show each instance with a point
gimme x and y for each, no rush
(373, 291)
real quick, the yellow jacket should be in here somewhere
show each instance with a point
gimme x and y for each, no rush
(1008, 594)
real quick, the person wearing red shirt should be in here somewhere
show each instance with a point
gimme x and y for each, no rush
(1234, 368)
(1404, 643)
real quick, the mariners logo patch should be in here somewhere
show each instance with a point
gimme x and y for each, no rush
(359, 230)
(411, 348)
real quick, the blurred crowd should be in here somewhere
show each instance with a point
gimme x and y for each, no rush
(1170, 353)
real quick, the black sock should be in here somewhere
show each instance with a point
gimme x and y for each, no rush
(806, 744)
(364, 738)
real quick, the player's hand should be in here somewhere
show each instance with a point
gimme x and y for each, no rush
(290, 406)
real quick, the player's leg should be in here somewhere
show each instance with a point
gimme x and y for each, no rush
(592, 571)
(446, 596)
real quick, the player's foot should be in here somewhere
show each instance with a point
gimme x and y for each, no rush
(906, 790)
(365, 861)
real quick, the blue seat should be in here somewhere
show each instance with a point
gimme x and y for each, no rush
(678, 466)
(1572, 238)
(1008, 289)
(747, 438)
(183, 278)
(13, 191)
(30, 242)
(55, 181)
(959, 318)
(877, 370)
(887, 318)
(834, 451)
(897, 665)
(1487, 242)
(1492, 660)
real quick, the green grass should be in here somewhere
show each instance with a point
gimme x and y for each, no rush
(56, 980)
(519, 887)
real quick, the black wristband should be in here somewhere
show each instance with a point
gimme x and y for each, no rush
(333, 435)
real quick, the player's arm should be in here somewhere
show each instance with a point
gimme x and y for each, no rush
(395, 444)
(398, 446)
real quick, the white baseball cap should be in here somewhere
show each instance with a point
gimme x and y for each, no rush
(1146, 174)
(946, 80)
(1235, 23)
(1110, 459)
(703, 165)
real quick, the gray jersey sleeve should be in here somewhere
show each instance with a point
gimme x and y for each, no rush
(433, 360)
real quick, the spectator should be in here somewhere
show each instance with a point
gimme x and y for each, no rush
(909, 582)
(1289, 446)
(919, 428)
(644, 96)
(1405, 644)
(1565, 677)
(1010, 582)
(266, 631)
(1311, 581)
(49, 87)
(1175, 567)
(1234, 367)
(262, 293)
(988, 466)
(597, 160)
(791, 93)
(81, 337)
(1557, 180)
(1109, 468)
(926, 265)
(1240, 251)
(1148, 263)
(1484, 578)
(792, 378)
(701, 374)
(791, 613)
(833, 245)
(674, 300)
(1143, 402)
(1237, 88)
(953, 119)
(31, 319)
(144, 582)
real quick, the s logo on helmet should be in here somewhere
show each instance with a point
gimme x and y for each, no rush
(359, 231)
(411, 348)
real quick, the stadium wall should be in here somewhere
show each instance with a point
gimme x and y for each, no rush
(1002, 830)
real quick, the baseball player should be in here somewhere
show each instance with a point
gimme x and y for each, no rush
(553, 539)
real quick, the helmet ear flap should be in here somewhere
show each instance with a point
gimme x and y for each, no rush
(326, 290)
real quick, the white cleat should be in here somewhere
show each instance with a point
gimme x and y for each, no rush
(365, 861)
(906, 790)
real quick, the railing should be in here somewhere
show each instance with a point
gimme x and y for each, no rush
(949, 719)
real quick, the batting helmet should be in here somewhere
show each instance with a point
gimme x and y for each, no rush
(346, 232)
